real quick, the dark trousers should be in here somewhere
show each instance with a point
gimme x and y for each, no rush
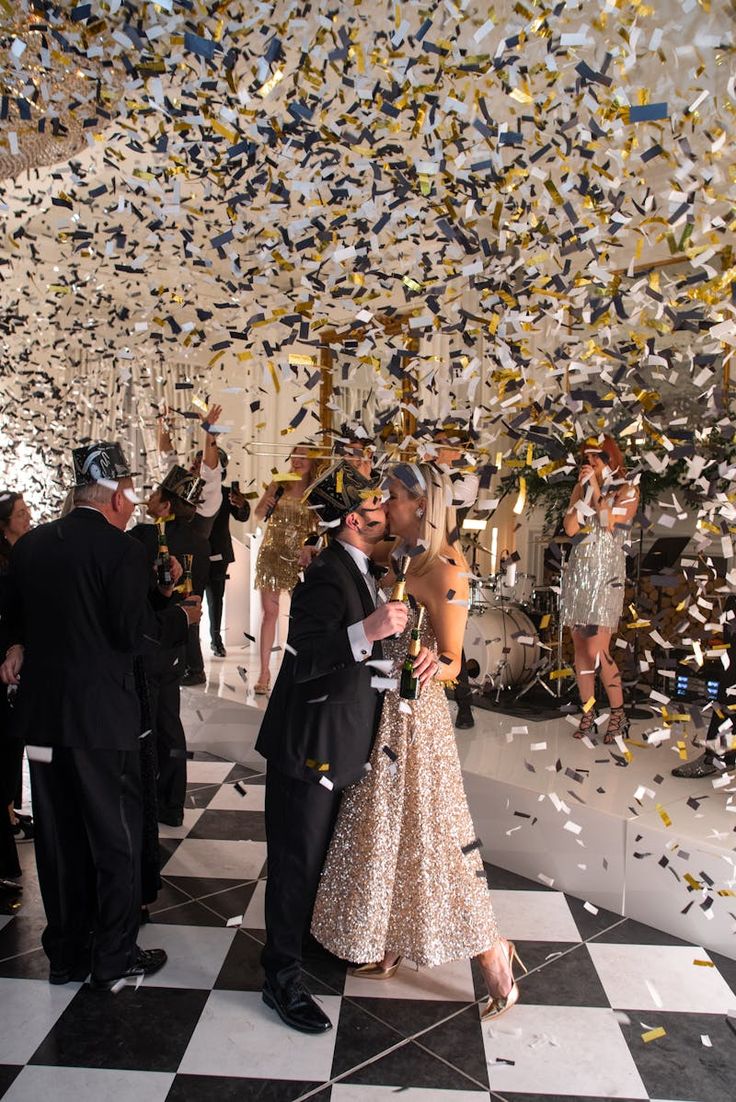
(300, 818)
(215, 593)
(87, 809)
(195, 661)
(171, 743)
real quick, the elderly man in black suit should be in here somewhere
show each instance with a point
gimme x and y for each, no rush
(80, 611)
(320, 722)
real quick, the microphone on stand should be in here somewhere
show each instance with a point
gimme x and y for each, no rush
(278, 494)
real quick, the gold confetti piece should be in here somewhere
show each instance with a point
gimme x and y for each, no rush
(694, 884)
(568, 671)
(704, 963)
(339, 479)
(274, 377)
(273, 80)
(664, 816)
(320, 766)
(521, 499)
(653, 1034)
(589, 703)
(544, 623)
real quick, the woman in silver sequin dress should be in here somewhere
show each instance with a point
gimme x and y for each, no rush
(601, 507)
(404, 876)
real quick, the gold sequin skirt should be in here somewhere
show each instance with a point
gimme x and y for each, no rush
(396, 878)
(277, 565)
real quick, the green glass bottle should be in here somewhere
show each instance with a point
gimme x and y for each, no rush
(410, 686)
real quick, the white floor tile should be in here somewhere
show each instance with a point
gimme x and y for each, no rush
(561, 1050)
(86, 1084)
(660, 977)
(196, 953)
(207, 772)
(452, 982)
(29, 1009)
(191, 815)
(231, 860)
(255, 917)
(534, 916)
(239, 1035)
(229, 799)
(352, 1092)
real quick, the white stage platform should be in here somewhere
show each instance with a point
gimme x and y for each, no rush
(627, 837)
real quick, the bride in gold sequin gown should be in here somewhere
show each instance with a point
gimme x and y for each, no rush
(404, 875)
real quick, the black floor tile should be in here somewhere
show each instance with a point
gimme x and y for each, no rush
(205, 1088)
(230, 902)
(408, 1016)
(631, 932)
(590, 924)
(8, 1072)
(169, 895)
(360, 1037)
(231, 825)
(679, 1066)
(535, 954)
(144, 1030)
(33, 965)
(504, 880)
(570, 981)
(188, 914)
(319, 965)
(411, 1066)
(196, 887)
(459, 1041)
(241, 970)
(21, 935)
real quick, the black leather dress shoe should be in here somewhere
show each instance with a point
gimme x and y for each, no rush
(704, 766)
(77, 974)
(218, 649)
(296, 1007)
(145, 963)
(464, 719)
(194, 677)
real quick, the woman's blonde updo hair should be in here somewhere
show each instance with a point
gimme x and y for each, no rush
(438, 526)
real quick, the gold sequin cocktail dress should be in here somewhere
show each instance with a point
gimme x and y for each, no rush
(277, 564)
(396, 877)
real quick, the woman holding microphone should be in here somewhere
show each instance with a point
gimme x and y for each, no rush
(602, 505)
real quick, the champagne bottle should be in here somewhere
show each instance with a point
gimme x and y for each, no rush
(163, 558)
(409, 686)
(187, 584)
(398, 593)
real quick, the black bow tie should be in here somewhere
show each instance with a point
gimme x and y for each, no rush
(376, 571)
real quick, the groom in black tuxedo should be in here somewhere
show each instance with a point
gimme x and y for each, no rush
(320, 722)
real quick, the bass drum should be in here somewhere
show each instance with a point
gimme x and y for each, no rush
(501, 647)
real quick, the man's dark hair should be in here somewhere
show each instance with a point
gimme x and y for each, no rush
(182, 510)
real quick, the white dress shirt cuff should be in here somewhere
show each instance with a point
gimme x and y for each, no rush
(359, 643)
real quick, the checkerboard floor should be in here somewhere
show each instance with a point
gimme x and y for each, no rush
(598, 985)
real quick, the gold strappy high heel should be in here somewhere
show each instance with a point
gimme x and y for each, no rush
(375, 971)
(262, 688)
(499, 1004)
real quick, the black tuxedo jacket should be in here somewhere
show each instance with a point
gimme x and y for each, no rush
(79, 605)
(221, 541)
(322, 709)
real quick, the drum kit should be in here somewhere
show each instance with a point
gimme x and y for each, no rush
(513, 637)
